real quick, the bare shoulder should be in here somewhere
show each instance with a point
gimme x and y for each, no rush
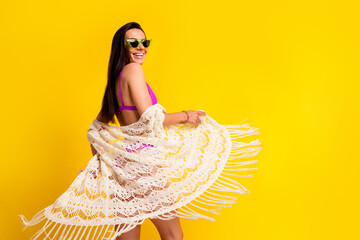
(133, 68)
(133, 72)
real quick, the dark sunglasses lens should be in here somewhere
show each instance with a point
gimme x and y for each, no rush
(134, 44)
(146, 43)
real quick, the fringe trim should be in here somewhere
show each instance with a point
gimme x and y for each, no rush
(76, 232)
(212, 200)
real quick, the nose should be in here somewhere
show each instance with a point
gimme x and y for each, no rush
(140, 46)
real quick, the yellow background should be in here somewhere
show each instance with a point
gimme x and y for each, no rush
(290, 67)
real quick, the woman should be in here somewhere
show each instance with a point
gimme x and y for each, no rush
(134, 92)
(155, 165)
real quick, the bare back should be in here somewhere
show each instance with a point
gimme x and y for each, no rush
(125, 117)
(133, 94)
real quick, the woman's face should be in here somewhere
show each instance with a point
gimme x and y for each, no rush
(134, 52)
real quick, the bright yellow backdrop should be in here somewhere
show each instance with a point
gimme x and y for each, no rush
(290, 67)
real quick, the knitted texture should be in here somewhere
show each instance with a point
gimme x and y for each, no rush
(145, 170)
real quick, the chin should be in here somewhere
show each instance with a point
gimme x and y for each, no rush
(140, 62)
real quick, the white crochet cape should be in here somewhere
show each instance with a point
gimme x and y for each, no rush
(145, 170)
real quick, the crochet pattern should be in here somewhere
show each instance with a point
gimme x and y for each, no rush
(145, 170)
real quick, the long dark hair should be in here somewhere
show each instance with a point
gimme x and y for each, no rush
(119, 57)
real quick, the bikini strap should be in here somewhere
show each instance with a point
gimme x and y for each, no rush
(122, 103)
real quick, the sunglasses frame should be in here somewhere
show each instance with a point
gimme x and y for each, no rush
(139, 41)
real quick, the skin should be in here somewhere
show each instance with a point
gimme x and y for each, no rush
(135, 93)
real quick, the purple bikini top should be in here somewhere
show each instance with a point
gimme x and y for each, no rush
(152, 95)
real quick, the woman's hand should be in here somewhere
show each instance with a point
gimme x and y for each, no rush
(194, 117)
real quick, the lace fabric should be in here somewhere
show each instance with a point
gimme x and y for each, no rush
(145, 170)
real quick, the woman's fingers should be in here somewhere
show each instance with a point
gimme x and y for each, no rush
(198, 121)
(195, 117)
(201, 113)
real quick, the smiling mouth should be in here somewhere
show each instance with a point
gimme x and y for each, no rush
(139, 55)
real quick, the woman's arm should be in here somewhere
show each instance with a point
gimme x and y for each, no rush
(93, 150)
(99, 118)
(134, 75)
(174, 118)
(191, 116)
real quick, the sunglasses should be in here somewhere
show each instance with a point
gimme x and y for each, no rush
(134, 43)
